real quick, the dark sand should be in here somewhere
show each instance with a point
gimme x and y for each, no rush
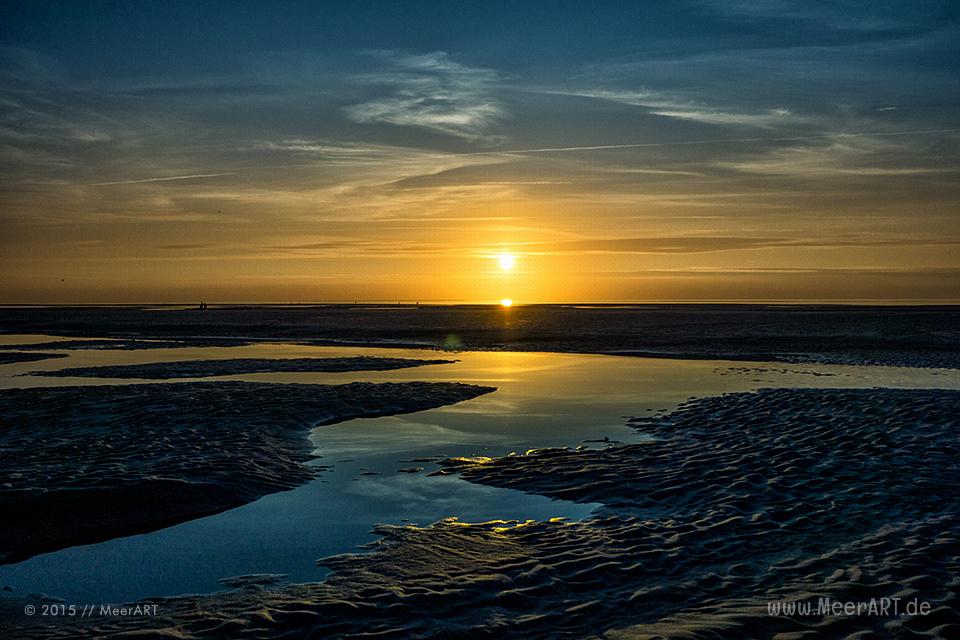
(124, 345)
(236, 366)
(792, 494)
(923, 336)
(13, 357)
(85, 464)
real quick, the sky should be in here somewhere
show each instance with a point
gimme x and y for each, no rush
(697, 150)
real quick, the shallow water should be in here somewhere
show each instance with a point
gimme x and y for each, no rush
(543, 399)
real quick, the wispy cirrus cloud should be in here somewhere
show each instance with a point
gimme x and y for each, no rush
(672, 106)
(713, 243)
(431, 91)
(196, 176)
(839, 156)
(881, 272)
(835, 14)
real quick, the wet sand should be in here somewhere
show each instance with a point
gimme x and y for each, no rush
(237, 366)
(124, 345)
(737, 500)
(85, 464)
(13, 357)
(918, 336)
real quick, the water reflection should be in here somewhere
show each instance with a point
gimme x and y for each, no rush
(542, 400)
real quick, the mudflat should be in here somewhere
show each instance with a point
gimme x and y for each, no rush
(85, 464)
(915, 336)
(237, 366)
(737, 503)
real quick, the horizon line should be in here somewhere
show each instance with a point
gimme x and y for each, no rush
(516, 303)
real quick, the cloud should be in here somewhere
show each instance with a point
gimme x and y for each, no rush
(713, 243)
(766, 119)
(431, 91)
(182, 247)
(195, 176)
(721, 141)
(879, 272)
(670, 106)
(841, 15)
(684, 244)
(360, 154)
(840, 155)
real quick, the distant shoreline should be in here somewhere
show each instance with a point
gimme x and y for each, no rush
(866, 302)
(927, 336)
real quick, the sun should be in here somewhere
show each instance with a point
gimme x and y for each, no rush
(506, 260)
(506, 302)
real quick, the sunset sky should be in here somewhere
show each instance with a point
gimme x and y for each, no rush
(319, 151)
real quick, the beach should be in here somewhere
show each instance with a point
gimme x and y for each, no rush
(917, 336)
(540, 495)
(722, 513)
(84, 464)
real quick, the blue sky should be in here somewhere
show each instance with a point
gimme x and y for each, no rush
(275, 151)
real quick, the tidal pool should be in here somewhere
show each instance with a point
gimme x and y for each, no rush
(543, 400)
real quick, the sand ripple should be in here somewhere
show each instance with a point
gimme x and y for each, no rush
(89, 463)
(742, 499)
